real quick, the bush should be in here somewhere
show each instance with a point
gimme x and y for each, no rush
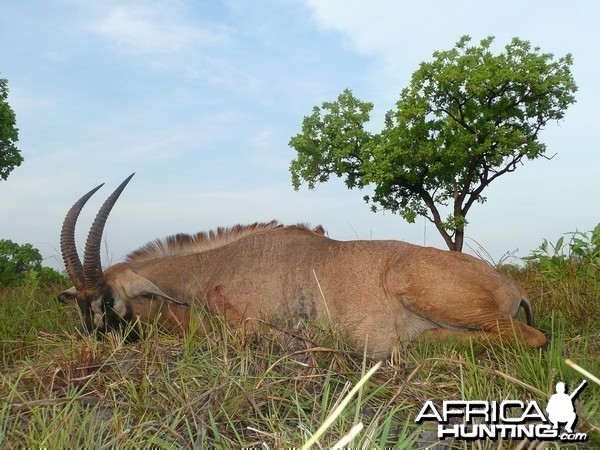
(18, 263)
(579, 255)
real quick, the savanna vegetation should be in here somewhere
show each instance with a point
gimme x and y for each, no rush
(60, 388)
(22, 264)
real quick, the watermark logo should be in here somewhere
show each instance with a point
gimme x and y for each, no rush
(509, 419)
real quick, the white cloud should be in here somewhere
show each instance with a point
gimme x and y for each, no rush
(361, 22)
(156, 29)
(400, 34)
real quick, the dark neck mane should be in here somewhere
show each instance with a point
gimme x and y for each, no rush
(185, 244)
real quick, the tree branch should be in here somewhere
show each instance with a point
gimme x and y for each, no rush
(485, 181)
(459, 121)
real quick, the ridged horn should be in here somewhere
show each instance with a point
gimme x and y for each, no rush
(68, 247)
(93, 276)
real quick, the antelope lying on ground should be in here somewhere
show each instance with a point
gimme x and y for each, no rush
(379, 292)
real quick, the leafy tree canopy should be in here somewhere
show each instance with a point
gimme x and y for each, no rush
(16, 260)
(467, 117)
(19, 261)
(10, 156)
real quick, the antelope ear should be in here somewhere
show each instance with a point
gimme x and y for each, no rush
(136, 285)
(70, 295)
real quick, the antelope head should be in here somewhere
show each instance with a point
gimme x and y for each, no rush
(93, 294)
(112, 298)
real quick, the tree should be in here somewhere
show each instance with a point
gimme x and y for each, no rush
(467, 117)
(16, 260)
(10, 156)
(23, 263)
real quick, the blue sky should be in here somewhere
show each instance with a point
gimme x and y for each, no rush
(200, 99)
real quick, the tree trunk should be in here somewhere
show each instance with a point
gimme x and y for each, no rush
(447, 238)
(459, 236)
(459, 233)
(454, 243)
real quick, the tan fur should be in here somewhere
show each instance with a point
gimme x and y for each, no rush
(381, 292)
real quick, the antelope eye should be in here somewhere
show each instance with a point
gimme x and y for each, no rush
(110, 302)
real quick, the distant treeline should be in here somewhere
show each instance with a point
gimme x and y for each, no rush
(20, 263)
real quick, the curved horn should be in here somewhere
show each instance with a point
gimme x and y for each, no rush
(67, 241)
(93, 276)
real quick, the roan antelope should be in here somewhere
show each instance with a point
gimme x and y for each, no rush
(379, 292)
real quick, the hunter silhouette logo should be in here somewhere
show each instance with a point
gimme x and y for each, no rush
(561, 408)
(509, 419)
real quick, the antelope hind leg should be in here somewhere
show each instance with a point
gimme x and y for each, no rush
(496, 323)
(462, 336)
(516, 330)
(480, 315)
(510, 329)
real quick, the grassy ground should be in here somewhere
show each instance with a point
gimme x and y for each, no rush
(60, 389)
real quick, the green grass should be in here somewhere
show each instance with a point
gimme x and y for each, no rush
(62, 389)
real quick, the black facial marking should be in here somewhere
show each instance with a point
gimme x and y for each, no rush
(109, 302)
(86, 313)
(129, 326)
(111, 320)
(114, 322)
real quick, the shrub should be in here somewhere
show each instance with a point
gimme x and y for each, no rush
(578, 255)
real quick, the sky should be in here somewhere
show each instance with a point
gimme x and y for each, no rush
(200, 99)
